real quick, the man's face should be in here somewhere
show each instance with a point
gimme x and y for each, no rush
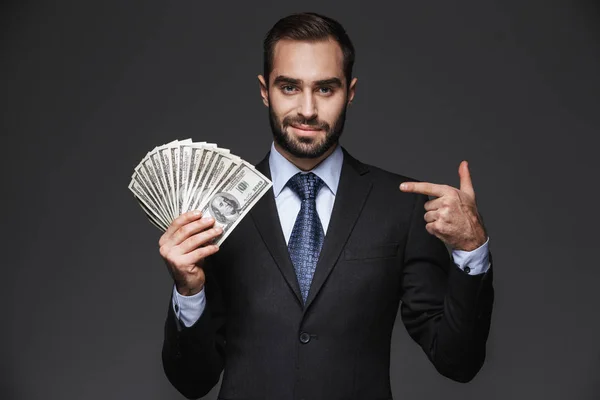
(307, 96)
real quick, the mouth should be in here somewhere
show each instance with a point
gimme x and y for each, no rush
(306, 129)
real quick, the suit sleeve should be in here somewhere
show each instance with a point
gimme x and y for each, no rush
(193, 357)
(444, 309)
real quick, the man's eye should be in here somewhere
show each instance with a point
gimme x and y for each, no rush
(325, 90)
(287, 89)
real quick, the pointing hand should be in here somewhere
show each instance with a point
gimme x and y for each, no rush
(453, 216)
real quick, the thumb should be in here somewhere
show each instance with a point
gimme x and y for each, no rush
(465, 178)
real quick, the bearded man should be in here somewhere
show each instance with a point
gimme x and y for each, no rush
(301, 299)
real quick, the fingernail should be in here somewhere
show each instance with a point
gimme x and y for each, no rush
(197, 212)
(403, 186)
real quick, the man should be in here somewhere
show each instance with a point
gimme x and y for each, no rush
(300, 301)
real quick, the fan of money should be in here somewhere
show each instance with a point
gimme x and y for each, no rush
(183, 175)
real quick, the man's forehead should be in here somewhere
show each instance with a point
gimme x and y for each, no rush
(308, 61)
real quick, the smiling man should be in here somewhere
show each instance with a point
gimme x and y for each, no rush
(300, 301)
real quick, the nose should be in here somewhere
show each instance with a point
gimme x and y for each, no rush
(308, 106)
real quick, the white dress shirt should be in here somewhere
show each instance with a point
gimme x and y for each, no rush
(189, 308)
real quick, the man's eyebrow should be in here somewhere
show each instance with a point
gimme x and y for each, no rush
(329, 81)
(286, 79)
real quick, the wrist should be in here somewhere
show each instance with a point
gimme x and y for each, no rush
(185, 290)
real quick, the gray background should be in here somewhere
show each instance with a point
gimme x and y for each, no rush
(89, 87)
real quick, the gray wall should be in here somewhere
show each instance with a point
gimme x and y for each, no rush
(87, 88)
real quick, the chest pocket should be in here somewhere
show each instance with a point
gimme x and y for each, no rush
(370, 252)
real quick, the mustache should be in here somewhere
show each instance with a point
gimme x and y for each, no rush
(314, 123)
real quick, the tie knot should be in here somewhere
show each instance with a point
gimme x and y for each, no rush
(306, 186)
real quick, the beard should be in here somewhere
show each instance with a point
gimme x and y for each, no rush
(303, 147)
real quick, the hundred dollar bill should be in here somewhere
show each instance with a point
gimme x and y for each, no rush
(148, 213)
(175, 172)
(223, 165)
(144, 179)
(207, 161)
(147, 204)
(156, 164)
(164, 160)
(185, 159)
(139, 183)
(200, 158)
(209, 158)
(234, 197)
(149, 165)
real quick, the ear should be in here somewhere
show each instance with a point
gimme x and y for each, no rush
(264, 91)
(352, 90)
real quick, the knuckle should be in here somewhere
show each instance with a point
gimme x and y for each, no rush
(444, 213)
(178, 221)
(200, 255)
(164, 251)
(212, 249)
(186, 230)
(197, 239)
(429, 228)
(450, 203)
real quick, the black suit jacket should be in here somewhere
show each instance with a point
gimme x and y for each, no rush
(376, 255)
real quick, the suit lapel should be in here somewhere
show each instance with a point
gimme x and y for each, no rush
(353, 190)
(266, 218)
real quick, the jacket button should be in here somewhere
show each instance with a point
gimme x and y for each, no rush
(304, 337)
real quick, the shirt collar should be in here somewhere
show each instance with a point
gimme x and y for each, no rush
(329, 170)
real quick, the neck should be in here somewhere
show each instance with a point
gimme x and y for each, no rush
(305, 164)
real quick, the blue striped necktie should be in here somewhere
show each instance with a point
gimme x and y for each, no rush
(307, 235)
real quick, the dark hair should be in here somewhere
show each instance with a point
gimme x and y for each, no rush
(310, 27)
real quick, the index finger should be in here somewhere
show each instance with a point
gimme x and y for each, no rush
(427, 188)
(178, 222)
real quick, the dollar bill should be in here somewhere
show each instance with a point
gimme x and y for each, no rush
(155, 163)
(223, 165)
(200, 161)
(164, 159)
(234, 197)
(183, 175)
(175, 172)
(149, 167)
(149, 207)
(149, 216)
(185, 158)
(144, 178)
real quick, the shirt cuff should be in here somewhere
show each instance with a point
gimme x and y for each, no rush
(188, 309)
(473, 262)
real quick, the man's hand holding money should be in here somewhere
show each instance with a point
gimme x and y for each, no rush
(184, 247)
